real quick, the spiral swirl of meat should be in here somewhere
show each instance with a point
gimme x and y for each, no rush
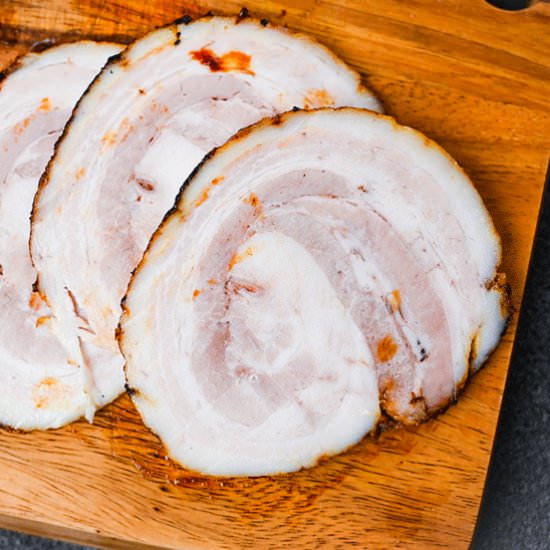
(318, 268)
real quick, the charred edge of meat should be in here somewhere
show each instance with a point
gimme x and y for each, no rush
(45, 177)
(507, 299)
(19, 61)
(178, 37)
(172, 211)
(470, 358)
(385, 423)
(441, 409)
(18, 431)
(183, 20)
(264, 22)
(243, 14)
(130, 391)
(499, 284)
(115, 58)
(419, 415)
(43, 45)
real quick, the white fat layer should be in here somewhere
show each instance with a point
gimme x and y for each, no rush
(42, 386)
(169, 157)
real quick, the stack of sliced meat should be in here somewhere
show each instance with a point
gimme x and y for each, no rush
(321, 270)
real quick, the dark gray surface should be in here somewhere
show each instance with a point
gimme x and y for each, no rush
(9, 541)
(515, 513)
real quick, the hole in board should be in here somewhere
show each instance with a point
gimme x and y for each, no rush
(511, 5)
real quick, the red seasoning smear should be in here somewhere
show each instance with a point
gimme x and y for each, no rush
(230, 61)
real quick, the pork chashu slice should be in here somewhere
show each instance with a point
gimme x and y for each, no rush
(41, 386)
(318, 268)
(136, 135)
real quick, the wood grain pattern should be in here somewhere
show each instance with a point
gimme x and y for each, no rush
(476, 79)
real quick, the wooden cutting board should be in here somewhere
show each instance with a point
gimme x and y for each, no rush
(472, 77)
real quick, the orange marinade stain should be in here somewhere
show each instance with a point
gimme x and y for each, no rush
(109, 138)
(40, 392)
(19, 128)
(45, 104)
(386, 349)
(42, 320)
(36, 300)
(255, 202)
(196, 293)
(394, 301)
(230, 61)
(239, 258)
(204, 195)
(318, 98)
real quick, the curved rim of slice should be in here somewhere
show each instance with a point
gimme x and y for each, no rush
(497, 283)
(177, 27)
(29, 58)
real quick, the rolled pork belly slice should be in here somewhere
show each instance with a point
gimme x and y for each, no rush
(320, 271)
(40, 385)
(139, 131)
